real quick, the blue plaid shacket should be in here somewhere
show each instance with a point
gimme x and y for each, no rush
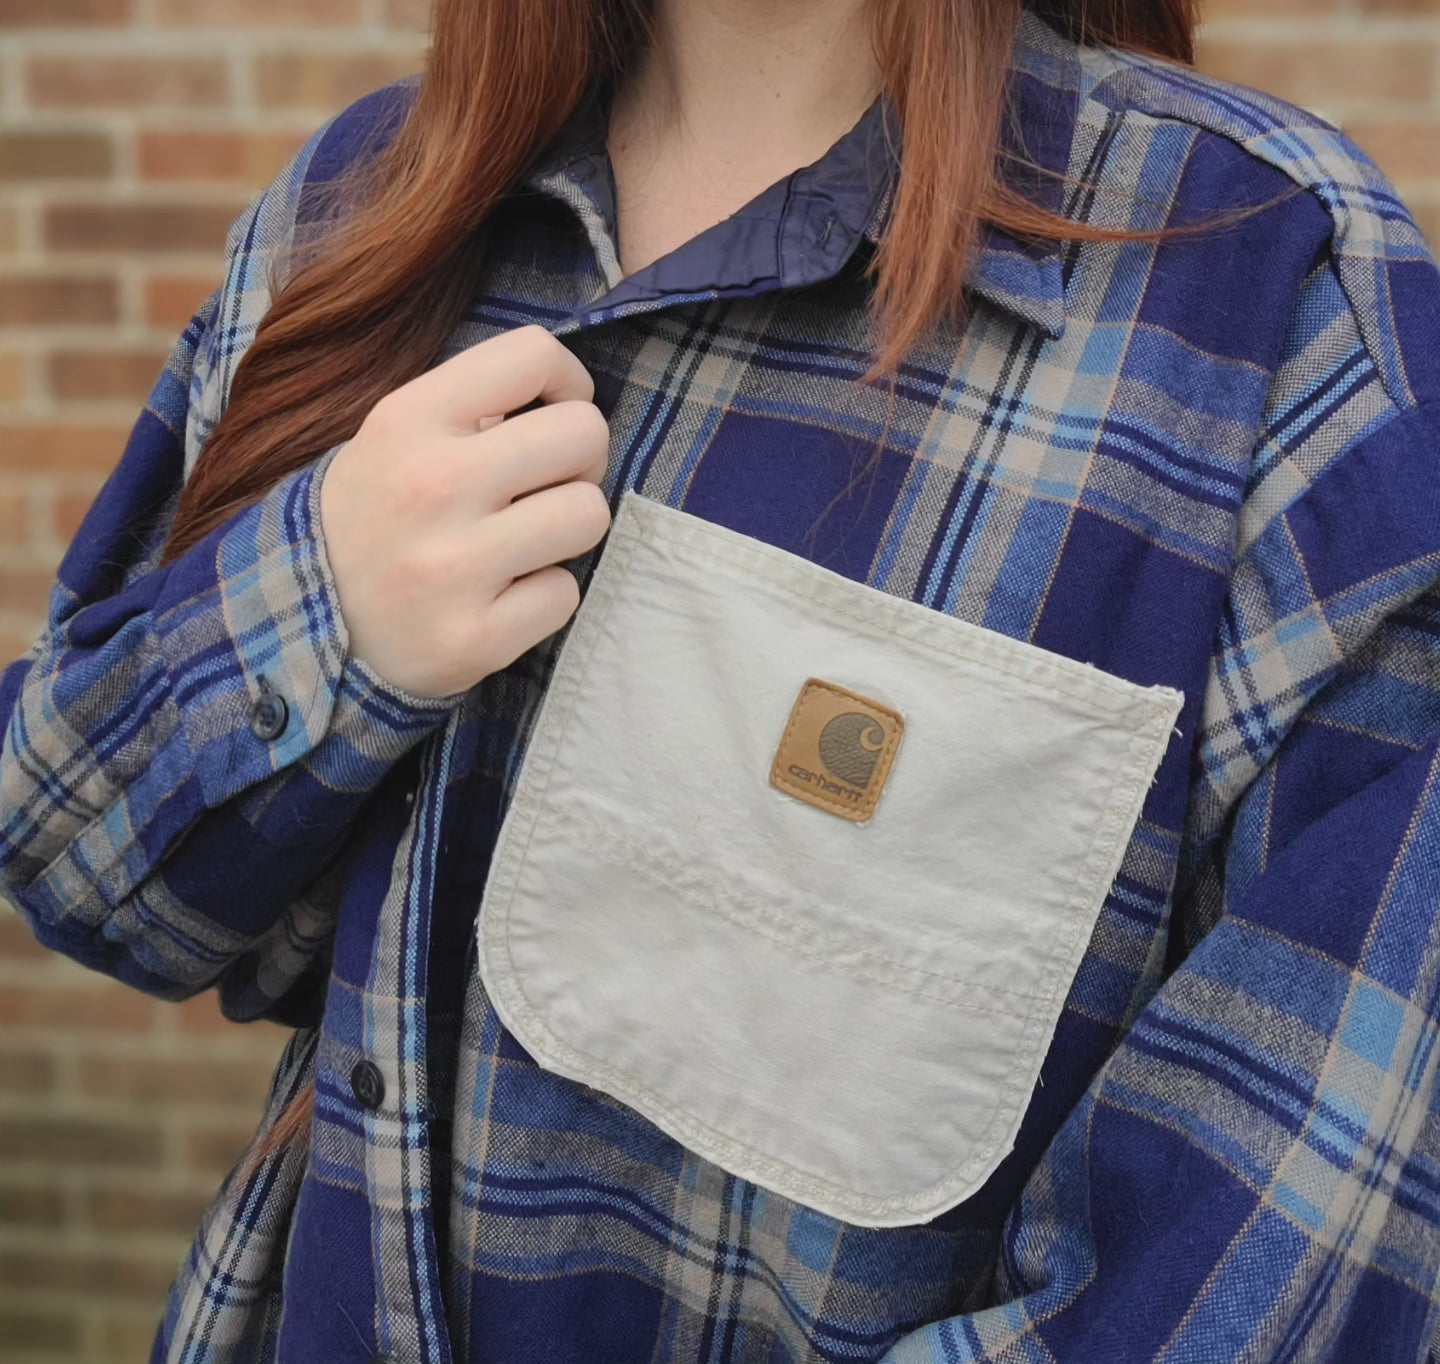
(1212, 463)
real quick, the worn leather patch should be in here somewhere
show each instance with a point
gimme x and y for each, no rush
(837, 750)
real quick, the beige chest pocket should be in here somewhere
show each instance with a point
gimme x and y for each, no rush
(801, 871)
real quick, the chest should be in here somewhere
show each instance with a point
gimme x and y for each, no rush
(999, 489)
(1015, 484)
(1025, 483)
(1074, 492)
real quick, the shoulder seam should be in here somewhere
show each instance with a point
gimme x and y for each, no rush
(1369, 221)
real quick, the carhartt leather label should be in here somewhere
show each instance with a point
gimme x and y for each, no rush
(837, 750)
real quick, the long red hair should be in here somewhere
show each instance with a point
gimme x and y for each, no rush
(374, 305)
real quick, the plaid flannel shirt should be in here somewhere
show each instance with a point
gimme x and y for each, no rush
(1212, 462)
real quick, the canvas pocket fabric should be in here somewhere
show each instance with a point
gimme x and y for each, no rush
(848, 1006)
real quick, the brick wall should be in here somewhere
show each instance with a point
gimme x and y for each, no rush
(1372, 66)
(131, 133)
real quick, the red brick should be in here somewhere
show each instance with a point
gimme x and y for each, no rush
(58, 447)
(17, 942)
(28, 1205)
(1428, 218)
(69, 511)
(12, 376)
(1319, 72)
(109, 1007)
(124, 1275)
(39, 1333)
(139, 228)
(93, 375)
(48, 299)
(408, 14)
(310, 80)
(215, 1149)
(55, 156)
(14, 530)
(12, 646)
(24, 589)
(172, 300)
(23, 13)
(26, 1072)
(127, 82)
(201, 1015)
(128, 1339)
(253, 158)
(80, 1141)
(1406, 149)
(267, 12)
(1280, 9)
(134, 1210)
(202, 1082)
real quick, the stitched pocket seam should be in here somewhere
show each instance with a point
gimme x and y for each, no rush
(1146, 714)
(797, 1181)
(750, 915)
(742, 561)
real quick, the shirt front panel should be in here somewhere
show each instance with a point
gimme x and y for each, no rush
(1078, 490)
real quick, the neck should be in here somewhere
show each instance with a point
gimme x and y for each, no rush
(792, 73)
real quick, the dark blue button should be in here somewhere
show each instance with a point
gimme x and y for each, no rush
(367, 1085)
(269, 715)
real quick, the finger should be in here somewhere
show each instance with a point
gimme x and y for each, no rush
(547, 527)
(538, 449)
(498, 376)
(532, 608)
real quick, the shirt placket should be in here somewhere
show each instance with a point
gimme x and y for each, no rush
(803, 235)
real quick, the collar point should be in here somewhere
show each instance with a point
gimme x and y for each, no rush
(1024, 280)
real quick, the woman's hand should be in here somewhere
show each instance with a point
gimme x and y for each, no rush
(445, 520)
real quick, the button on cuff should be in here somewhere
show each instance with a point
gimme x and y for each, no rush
(270, 714)
(367, 1084)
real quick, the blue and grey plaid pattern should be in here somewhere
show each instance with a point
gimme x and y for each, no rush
(1212, 463)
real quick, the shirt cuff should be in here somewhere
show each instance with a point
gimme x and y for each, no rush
(250, 626)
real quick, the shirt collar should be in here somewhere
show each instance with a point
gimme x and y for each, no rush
(804, 229)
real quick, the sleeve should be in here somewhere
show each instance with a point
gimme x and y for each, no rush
(184, 747)
(1254, 1174)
